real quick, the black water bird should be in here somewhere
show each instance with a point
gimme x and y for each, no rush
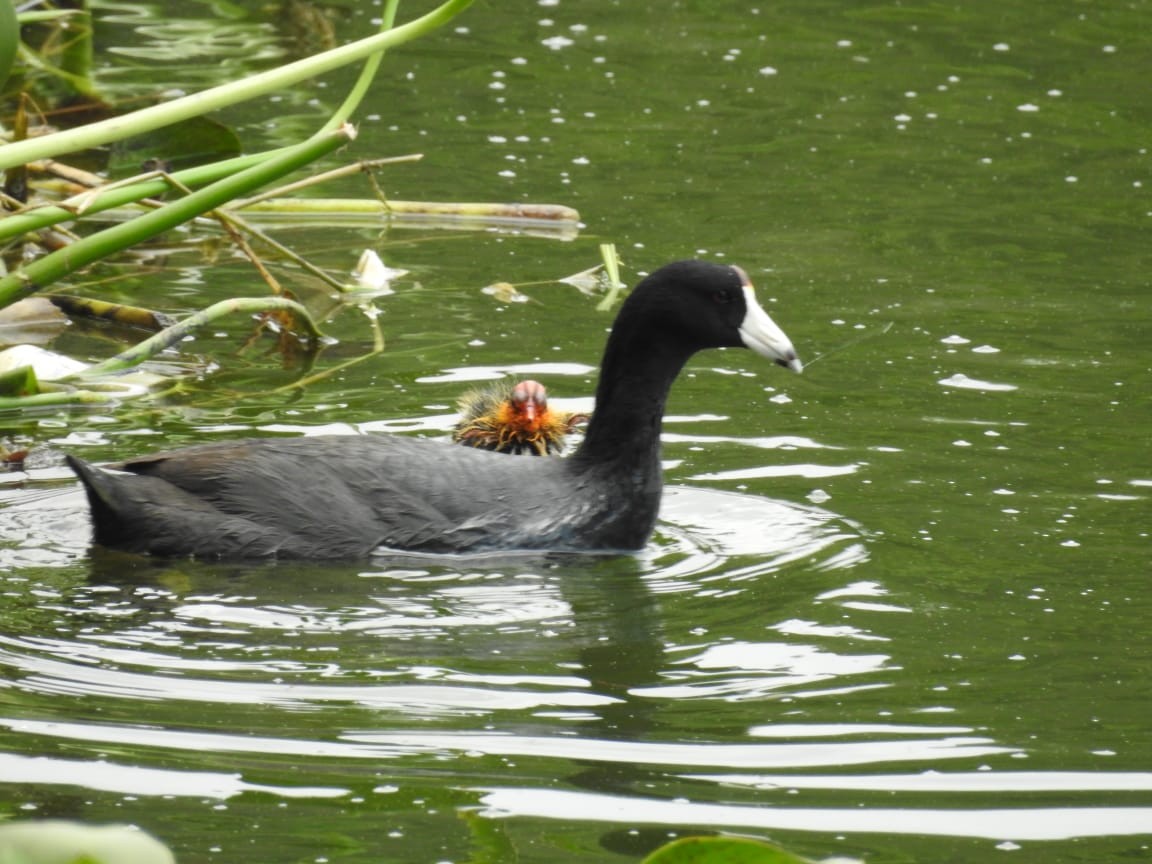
(342, 497)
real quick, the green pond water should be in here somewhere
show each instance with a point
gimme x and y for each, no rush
(896, 608)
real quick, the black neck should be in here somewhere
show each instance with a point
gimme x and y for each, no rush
(635, 377)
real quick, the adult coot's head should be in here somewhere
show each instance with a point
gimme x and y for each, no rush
(694, 305)
(678, 310)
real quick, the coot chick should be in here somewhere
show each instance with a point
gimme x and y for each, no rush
(341, 497)
(513, 419)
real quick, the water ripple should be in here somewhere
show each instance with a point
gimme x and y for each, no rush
(1009, 823)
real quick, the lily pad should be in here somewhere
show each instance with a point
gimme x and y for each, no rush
(722, 850)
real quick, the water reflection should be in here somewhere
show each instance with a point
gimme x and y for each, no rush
(145, 629)
(178, 632)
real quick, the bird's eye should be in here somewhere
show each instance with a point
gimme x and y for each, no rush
(723, 296)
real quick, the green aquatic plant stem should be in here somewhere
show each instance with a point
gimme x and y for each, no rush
(612, 271)
(131, 190)
(119, 194)
(169, 336)
(9, 38)
(58, 397)
(363, 166)
(118, 128)
(78, 83)
(37, 274)
(366, 77)
(77, 51)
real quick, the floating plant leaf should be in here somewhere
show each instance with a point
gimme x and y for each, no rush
(373, 276)
(722, 850)
(505, 292)
(586, 281)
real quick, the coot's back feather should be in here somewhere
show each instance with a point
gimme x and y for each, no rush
(344, 496)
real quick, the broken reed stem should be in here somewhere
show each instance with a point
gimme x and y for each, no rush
(463, 210)
(363, 166)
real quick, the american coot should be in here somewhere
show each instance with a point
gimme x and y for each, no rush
(513, 418)
(345, 496)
